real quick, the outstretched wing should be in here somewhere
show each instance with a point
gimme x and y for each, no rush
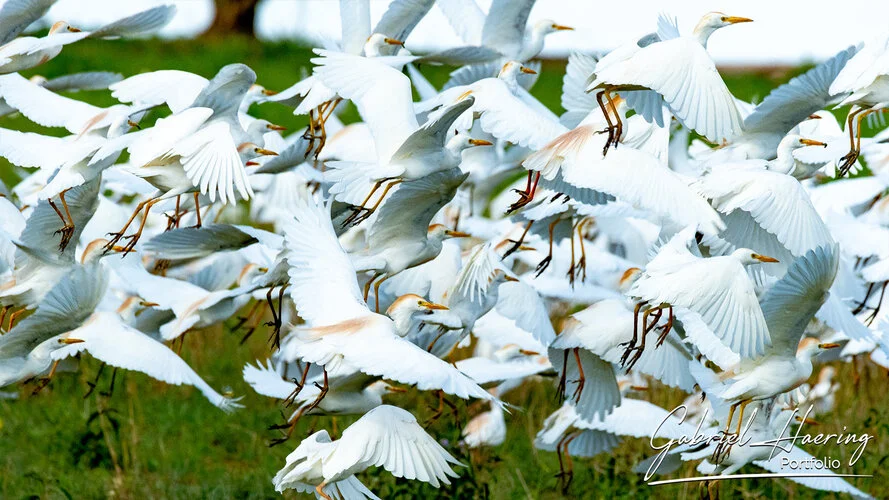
(178, 89)
(16, 15)
(504, 28)
(391, 438)
(402, 17)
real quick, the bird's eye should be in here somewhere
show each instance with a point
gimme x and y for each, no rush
(753, 256)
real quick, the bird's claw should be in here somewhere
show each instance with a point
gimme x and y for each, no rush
(67, 231)
(543, 265)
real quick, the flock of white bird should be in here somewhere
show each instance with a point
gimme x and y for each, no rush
(436, 243)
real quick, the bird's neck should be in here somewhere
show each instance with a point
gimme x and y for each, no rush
(533, 45)
(702, 33)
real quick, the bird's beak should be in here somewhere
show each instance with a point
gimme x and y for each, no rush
(480, 142)
(133, 124)
(265, 152)
(807, 421)
(392, 41)
(528, 71)
(263, 269)
(812, 142)
(511, 278)
(148, 304)
(272, 126)
(72, 29)
(830, 345)
(559, 27)
(638, 387)
(431, 305)
(813, 117)
(528, 353)
(764, 258)
(118, 248)
(457, 234)
(251, 163)
(464, 95)
(392, 388)
(526, 248)
(72, 341)
(268, 92)
(736, 20)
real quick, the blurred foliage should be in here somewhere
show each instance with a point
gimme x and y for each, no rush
(151, 440)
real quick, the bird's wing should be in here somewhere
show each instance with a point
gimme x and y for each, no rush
(485, 370)
(391, 438)
(720, 291)
(71, 301)
(178, 89)
(16, 15)
(505, 25)
(643, 181)
(87, 80)
(323, 283)
(790, 304)
(575, 99)
(637, 418)
(191, 243)
(791, 103)
(778, 203)
(158, 141)
(521, 303)
(406, 213)
(506, 117)
(265, 380)
(381, 93)
(802, 463)
(211, 160)
(871, 61)
(355, 25)
(688, 81)
(107, 338)
(28, 149)
(667, 27)
(433, 134)
(45, 107)
(139, 23)
(42, 225)
(599, 394)
(168, 293)
(498, 330)
(466, 18)
(374, 349)
(401, 18)
(475, 277)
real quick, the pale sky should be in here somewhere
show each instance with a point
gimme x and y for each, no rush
(782, 32)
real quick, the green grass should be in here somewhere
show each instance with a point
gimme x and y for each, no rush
(150, 440)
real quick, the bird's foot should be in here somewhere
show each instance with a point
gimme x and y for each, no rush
(846, 163)
(67, 231)
(578, 390)
(524, 198)
(543, 265)
(43, 382)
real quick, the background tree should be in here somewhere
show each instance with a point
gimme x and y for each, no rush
(233, 16)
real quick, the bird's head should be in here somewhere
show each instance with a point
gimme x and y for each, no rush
(810, 347)
(38, 80)
(379, 44)
(511, 69)
(258, 90)
(747, 257)
(62, 27)
(547, 26)
(712, 22)
(96, 249)
(381, 388)
(628, 278)
(500, 276)
(412, 303)
(248, 151)
(249, 272)
(441, 232)
(461, 141)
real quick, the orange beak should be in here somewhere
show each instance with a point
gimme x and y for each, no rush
(528, 71)
(392, 41)
(559, 27)
(433, 306)
(812, 142)
(265, 152)
(272, 126)
(480, 142)
(736, 20)
(764, 258)
(830, 345)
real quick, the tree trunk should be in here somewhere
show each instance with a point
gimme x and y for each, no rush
(233, 17)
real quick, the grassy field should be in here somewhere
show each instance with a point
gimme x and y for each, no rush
(150, 440)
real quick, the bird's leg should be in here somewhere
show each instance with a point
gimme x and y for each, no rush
(271, 303)
(527, 195)
(712, 490)
(323, 389)
(581, 264)
(357, 210)
(563, 379)
(569, 472)
(117, 236)
(741, 415)
(329, 109)
(242, 320)
(471, 188)
(665, 330)
(13, 316)
(549, 256)
(134, 238)
(441, 332)
(611, 128)
(173, 221)
(849, 158)
(110, 390)
(291, 425)
(438, 411)
(299, 386)
(366, 213)
(632, 343)
(863, 303)
(615, 140)
(377, 293)
(3, 312)
(570, 273)
(559, 452)
(45, 381)
(645, 329)
(92, 385)
(276, 323)
(309, 134)
(876, 310)
(367, 285)
(320, 491)
(581, 380)
(67, 230)
(518, 243)
(197, 210)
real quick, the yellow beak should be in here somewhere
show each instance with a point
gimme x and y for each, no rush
(812, 142)
(480, 142)
(464, 95)
(764, 258)
(72, 341)
(148, 304)
(808, 421)
(831, 345)
(268, 92)
(72, 29)
(392, 41)
(559, 27)
(457, 234)
(251, 163)
(392, 388)
(735, 19)
(528, 71)
(813, 117)
(528, 353)
(510, 278)
(265, 152)
(272, 126)
(431, 305)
